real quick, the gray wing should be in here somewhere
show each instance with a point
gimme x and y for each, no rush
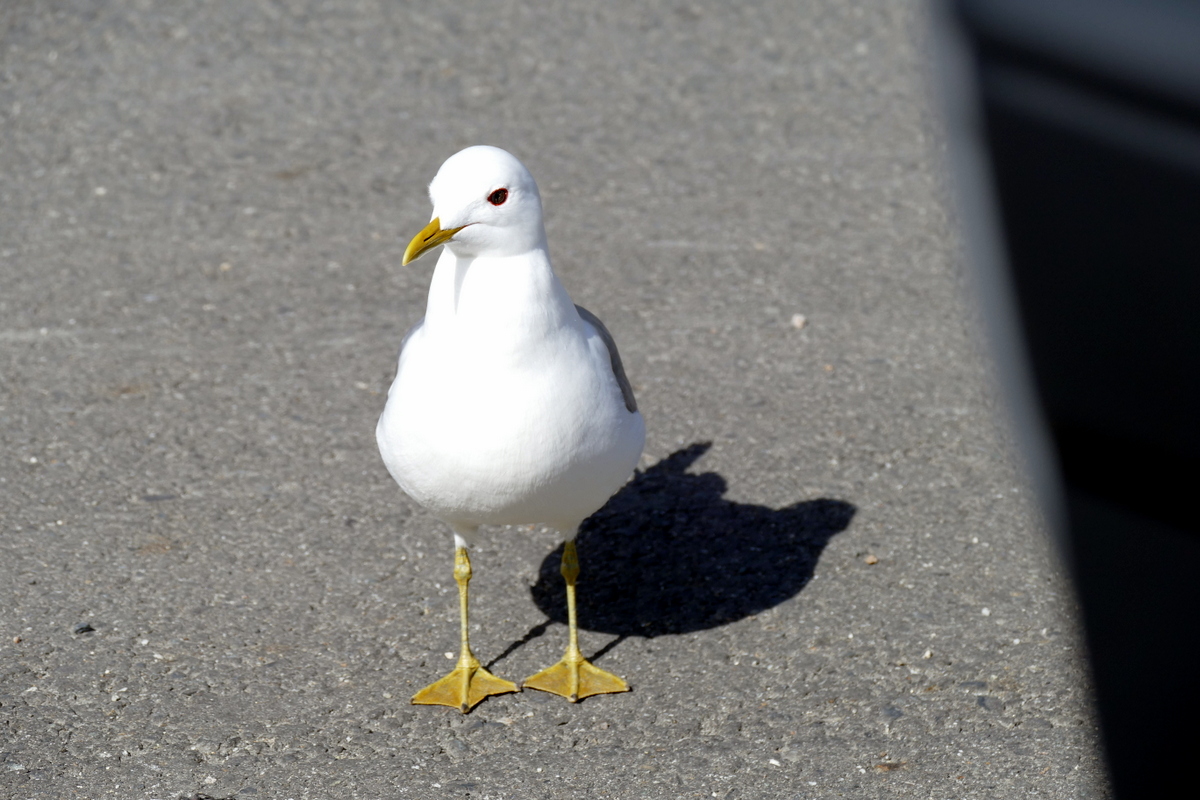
(613, 356)
(410, 333)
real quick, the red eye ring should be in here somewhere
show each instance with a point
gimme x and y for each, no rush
(498, 197)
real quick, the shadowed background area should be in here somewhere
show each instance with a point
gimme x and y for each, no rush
(669, 554)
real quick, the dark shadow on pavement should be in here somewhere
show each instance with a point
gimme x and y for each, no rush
(668, 554)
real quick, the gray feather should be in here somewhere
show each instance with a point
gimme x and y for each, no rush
(613, 356)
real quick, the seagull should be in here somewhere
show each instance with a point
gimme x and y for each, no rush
(510, 404)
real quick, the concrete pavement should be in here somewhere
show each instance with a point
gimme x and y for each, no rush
(829, 580)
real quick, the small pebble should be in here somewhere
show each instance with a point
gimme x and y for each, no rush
(871, 558)
(927, 654)
(799, 321)
(82, 627)
(16, 640)
(987, 612)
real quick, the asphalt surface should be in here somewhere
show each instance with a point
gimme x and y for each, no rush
(829, 581)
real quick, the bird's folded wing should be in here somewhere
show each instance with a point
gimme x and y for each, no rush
(613, 355)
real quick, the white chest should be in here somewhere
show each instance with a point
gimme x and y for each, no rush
(507, 416)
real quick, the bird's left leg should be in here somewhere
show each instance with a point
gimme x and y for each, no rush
(469, 682)
(574, 677)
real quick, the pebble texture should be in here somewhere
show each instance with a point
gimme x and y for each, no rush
(828, 581)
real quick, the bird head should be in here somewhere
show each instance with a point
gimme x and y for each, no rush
(485, 203)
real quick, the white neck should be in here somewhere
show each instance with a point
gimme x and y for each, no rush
(509, 297)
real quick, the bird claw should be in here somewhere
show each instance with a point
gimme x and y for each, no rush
(463, 689)
(575, 679)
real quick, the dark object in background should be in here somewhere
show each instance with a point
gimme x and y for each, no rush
(1075, 134)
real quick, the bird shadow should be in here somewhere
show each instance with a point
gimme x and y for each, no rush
(668, 554)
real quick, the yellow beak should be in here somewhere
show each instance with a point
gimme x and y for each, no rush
(430, 237)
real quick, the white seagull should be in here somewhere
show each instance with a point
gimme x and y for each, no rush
(510, 405)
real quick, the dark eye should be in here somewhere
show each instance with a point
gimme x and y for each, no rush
(498, 197)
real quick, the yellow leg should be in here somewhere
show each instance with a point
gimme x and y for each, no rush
(574, 677)
(469, 682)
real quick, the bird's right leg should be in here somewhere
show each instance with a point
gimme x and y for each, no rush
(468, 682)
(574, 677)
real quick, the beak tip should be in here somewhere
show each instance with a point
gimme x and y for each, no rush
(432, 236)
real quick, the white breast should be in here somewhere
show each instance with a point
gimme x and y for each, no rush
(506, 411)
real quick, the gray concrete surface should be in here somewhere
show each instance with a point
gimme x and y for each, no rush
(202, 214)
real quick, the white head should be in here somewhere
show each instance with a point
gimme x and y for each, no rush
(485, 203)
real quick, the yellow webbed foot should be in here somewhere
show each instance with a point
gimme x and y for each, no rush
(463, 688)
(576, 678)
